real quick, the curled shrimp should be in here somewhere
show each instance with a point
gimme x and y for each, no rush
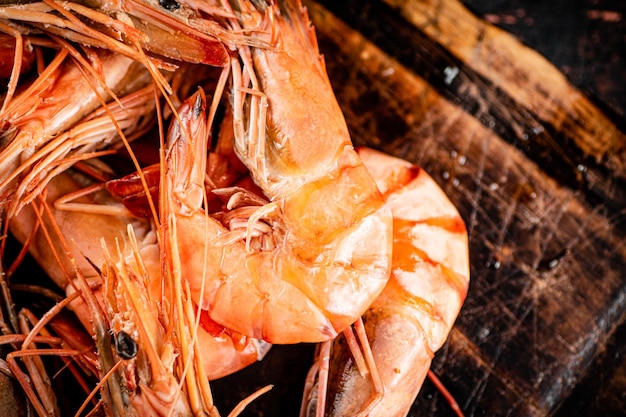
(324, 251)
(67, 245)
(411, 318)
(45, 124)
(301, 264)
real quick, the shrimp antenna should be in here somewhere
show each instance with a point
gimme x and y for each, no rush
(38, 84)
(17, 63)
(187, 354)
(161, 84)
(98, 387)
(446, 394)
(84, 65)
(11, 360)
(49, 315)
(103, 342)
(248, 400)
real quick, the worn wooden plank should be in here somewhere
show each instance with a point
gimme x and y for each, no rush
(583, 38)
(521, 73)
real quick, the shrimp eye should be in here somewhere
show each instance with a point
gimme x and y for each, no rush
(169, 4)
(125, 346)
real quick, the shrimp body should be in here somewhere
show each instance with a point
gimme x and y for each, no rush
(327, 248)
(45, 123)
(413, 315)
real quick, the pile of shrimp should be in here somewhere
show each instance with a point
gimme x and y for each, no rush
(182, 172)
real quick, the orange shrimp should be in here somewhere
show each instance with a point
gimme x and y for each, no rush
(324, 251)
(412, 317)
(40, 126)
(68, 245)
(304, 261)
(130, 28)
(137, 291)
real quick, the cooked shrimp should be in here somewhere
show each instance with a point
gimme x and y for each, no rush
(37, 124)
(131, 294)
(73, 253)
(302, 262)
(326, 245)
(412, 317)
(128, 28)
(138, 292)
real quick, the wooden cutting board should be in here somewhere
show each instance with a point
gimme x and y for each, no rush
(538, 173)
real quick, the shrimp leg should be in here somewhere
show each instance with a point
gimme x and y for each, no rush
(23, 57)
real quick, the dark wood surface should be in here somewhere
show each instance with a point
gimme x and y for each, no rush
(586, 40)
(536, 167)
